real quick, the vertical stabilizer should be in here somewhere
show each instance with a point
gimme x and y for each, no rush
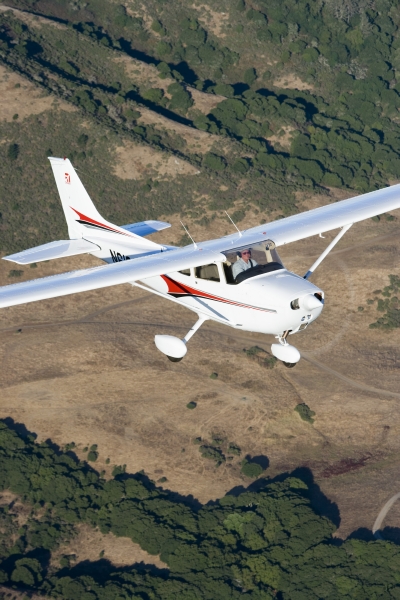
(75, 200)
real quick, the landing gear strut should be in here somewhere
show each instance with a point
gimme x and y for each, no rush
(174, 348)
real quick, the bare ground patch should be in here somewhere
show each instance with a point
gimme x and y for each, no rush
(120, 551)
(292, 82)
(32, 20)
(284, 139)
(200, 141)
(205, 102)
(213, 20)
(20, 96)
(139, 162)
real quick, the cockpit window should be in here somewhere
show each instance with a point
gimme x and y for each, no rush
(249, 261)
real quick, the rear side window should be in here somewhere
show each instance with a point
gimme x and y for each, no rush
(209, 272)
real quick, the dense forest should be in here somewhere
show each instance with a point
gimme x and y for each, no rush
(342, 131)
(262, 544)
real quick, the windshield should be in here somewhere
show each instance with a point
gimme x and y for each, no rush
(248, 261)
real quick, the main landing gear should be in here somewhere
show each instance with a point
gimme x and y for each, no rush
(283, 351)
(173, 347)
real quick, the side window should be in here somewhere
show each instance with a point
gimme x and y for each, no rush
(185, 272)
(209, 272)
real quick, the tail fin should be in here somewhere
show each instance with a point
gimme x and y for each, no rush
(84, 221)
(75, 200)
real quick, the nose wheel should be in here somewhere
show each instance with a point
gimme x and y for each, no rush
(283, 351)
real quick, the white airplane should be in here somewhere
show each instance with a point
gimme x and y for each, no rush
(264, 297)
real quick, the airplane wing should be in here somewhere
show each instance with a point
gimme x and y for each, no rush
(328, 217)
(282, 232)
(106, 276)
(59, 249)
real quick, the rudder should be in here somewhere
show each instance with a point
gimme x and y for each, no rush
(74, 198)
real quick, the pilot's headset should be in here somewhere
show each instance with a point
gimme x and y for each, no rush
(239, 254)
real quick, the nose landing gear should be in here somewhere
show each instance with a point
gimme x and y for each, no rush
(283, 351)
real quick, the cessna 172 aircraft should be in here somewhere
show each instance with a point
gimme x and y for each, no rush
(258, 294)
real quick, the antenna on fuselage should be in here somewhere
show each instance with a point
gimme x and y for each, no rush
(234, 224)
(194, 243)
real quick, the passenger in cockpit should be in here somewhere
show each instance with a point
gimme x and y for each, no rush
(243, 263)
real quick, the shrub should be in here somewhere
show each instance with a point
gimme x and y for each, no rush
(153, 94)
(13, 151)
(157, 27)
(212, 453)
(15, 273)
(83, 140)
(132, 114)
(250, 76)
(223, 89)
(163, 48)
(305, 412)
(191, 405)
(118, 470)
(241, 165)
(310, 55)
(251, 469)
(181, 99)
(213, 161)
(332, 180)
(234, 449)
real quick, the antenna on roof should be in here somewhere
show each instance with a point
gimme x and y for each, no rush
(238, 230)
(194, 243)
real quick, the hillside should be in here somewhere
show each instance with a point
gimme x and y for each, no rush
(226, 475)
(270, 98)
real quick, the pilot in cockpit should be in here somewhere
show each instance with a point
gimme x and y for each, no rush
(243, 263)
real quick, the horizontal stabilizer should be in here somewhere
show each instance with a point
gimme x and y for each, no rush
(58, 249)
(146, 227)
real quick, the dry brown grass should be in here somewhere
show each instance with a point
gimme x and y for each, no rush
(283, 139)
(96, 377)
(32, 20)
(212, 20)
(292, 82)
(120, 551)
(138, 162)
(198, 141)
(19, 96)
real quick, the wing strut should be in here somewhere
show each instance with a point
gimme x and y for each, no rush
(328, 249)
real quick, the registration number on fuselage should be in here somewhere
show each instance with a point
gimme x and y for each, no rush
(118, 257)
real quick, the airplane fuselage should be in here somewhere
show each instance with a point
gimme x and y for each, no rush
(263, 304)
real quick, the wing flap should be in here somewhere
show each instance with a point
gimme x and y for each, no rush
(146, 227)
(58, 249)
(105, 276)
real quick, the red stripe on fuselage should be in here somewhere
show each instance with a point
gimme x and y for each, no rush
(175, 288)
